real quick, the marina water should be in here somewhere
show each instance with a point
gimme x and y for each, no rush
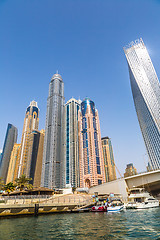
(129, 224)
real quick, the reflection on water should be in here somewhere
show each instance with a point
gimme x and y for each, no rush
(130, 224)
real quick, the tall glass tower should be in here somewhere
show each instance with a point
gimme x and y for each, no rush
(71, 159)
(146, 94)
(10, 140)
(53, 146)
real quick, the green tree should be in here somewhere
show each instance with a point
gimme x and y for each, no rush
(9, 187)
(23, 182)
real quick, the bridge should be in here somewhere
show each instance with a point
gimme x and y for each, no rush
(149, 180)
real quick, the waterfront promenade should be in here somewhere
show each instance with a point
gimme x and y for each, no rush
(40, 204)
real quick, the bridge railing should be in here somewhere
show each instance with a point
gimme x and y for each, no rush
(78, 200)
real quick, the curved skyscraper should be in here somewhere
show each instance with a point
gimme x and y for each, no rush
(53, 146)
(146, 94)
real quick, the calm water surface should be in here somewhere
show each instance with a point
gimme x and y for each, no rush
(130, 224)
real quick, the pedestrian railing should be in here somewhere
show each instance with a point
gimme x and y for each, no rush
(74, 199)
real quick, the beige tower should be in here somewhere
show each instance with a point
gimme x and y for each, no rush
(31, 123)
(90, 146)
(109, 164)
(130, 170)
(13, 164)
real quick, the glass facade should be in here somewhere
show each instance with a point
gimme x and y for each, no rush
(53, 141)
(91, 159)
(71, 171)
(109, 164)
(146, 94)
(10, 139)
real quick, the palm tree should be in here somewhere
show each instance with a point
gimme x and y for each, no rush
(23, 182)
(1, 184)
(9, 187)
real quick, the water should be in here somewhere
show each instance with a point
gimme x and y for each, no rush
(130, 224)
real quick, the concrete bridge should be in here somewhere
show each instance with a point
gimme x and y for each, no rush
(149, 180)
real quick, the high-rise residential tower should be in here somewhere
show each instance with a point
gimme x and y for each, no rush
(31, 122)
(53, 142)
(90, 146)
(10, 139)
(130, 170)
(13, 163)
(146, 94)
(35, 156)
(109, 164)
(71, 159)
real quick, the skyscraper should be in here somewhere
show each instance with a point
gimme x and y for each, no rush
(35, 156)
(10, 139)
(53, 145)
(31, 122)
(90, 146)
(13, 163)
(130, 170)
(109, 164)
(71, 159)
(38, 167)
(146, 94)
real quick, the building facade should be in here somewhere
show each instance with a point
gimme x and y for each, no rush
(71, 154)
(109, 164)
(90, 147)
(13, 164)
(130, 170)
(53, 155)
(35, 156)
(146, 94)
(0, 157)
(38, 167)
(31, 122)
(10, 140)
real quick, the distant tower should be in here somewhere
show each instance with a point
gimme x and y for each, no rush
(10, 139)
(90, 146)
(109, 164)
(31, 122)
(146, 94)
(53, 145)
(130, 170)
(71, 159)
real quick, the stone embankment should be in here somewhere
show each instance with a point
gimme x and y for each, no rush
(35, 205)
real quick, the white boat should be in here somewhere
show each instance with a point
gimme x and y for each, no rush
(116, 205)
(139, 198)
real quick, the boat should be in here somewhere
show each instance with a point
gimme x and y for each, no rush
(139, 198)
(116, 205)
(99, 208)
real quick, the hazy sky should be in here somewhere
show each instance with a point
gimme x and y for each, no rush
(83, 40)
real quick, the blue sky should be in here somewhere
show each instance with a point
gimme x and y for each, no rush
(83, 40)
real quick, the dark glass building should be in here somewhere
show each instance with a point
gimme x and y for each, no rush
(10, 139)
